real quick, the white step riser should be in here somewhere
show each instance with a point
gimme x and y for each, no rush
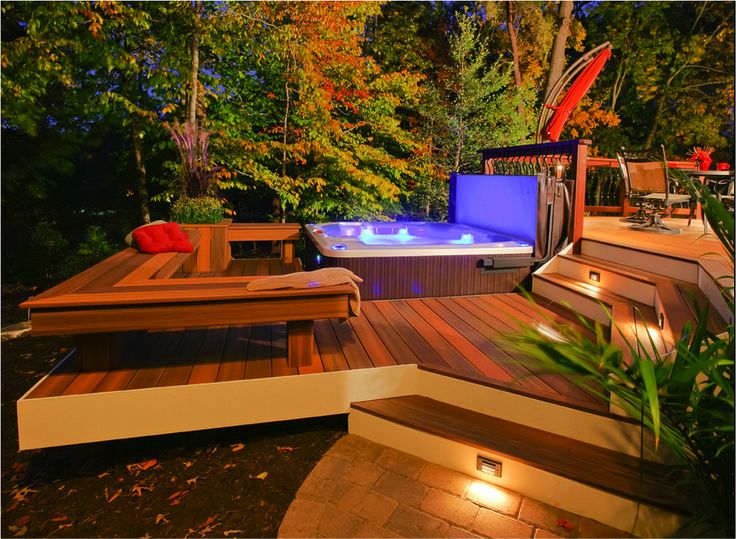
(582, 304)
(613, 510)
(613, 282)
(638, 260)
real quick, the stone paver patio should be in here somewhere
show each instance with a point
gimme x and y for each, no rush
(364, 489)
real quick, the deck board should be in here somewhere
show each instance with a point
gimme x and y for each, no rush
(462, 335)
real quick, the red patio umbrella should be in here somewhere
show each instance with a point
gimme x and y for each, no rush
(579, 87)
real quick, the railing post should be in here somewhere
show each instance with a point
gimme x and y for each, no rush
(578, 212)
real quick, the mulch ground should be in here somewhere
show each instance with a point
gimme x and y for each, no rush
(235, 482)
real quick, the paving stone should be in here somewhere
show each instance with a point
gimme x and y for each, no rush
(370, 450)
(297, 531)
(491, 524)
(450, 508)
(328, 468)
(347, 447)
(303, 514)
(369, 530)
(493, 497)
(409, 522)
(401, 488)
(370, 505)
(445, 479)
(400, 463)
(322, 489)
(458, 533)
(593, 528)
(549, 517)
(539, 533)
(338, 523)
(362, 472)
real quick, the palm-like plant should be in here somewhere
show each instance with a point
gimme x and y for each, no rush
(685, 397)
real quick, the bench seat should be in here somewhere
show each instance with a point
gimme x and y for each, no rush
(134, 291)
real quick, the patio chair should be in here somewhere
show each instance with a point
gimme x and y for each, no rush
(635, 199)
(650, 186)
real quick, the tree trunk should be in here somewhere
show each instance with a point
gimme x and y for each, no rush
(557, 58)
(140, 174)
(512, 36)
(655, 122)
(514, 49)
(194, 83)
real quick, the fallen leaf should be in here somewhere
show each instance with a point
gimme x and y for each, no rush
(18, 531)
(229, 466)
(104, 474)
(228, 533)
(161, 518)
(22, 494)
(187, 464)
(60, 518)
(142, 466)
(22, 521)
(286, 449)
(192, 481)
(138, 489)
(260, 476)
(209, 529)
(236, 447)
(62, 526)
(211, 450)
(114, 497)
(177, 496)
(564, 524)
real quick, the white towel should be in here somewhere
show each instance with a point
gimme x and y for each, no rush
(310, 279)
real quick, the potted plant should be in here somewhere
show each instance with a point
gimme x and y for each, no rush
(198, 207)
(701, 156)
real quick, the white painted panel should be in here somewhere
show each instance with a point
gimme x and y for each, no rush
(73, 419)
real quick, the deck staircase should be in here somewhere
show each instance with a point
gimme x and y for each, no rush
(582, 461)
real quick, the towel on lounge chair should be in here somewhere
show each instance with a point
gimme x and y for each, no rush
(310, 279)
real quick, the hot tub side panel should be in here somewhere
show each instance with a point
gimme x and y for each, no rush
(426, 276)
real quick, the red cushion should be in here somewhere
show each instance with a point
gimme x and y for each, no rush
(163, 238)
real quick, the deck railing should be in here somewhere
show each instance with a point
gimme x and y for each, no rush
(566, 160)
(597, 186)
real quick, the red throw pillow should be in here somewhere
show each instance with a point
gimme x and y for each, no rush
(162, 238)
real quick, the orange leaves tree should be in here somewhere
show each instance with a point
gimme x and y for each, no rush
(323, 131)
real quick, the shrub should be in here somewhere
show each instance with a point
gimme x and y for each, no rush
(198, 210)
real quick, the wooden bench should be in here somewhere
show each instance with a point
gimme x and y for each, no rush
(133, 291)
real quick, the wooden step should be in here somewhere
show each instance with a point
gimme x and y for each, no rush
(623, 475)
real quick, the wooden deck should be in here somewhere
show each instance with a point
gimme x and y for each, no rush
(460, 336)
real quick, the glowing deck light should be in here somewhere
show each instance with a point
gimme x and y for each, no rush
(466, 239)
(339, 247)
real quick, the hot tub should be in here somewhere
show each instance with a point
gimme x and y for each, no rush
(398, 239)
(418, 259)
(498, 228)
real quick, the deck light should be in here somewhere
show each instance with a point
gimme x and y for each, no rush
(486, 465)
(595, 276)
